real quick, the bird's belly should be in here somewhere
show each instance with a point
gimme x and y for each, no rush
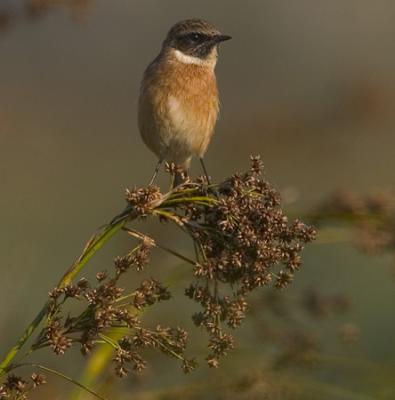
(176, 128)
(190, 127)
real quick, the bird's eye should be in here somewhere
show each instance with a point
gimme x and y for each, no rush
(195, 37)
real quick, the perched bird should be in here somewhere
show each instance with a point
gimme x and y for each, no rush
(178, 104)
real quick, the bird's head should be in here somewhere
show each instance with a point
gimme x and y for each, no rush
(194, 41)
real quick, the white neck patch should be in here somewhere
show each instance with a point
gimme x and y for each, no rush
(186, 59)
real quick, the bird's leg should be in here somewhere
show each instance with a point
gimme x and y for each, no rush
(173, 184)
(159, 163)
(205, 170)
(179, 177)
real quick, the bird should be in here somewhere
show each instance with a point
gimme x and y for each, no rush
(178, 103)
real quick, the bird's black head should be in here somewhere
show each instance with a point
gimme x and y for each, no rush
(194, 37)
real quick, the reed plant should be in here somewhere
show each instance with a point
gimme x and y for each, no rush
(242, 241)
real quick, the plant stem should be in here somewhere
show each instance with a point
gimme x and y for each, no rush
(67, 378)
(91, 248)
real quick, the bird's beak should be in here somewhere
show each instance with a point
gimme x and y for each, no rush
(221, 38)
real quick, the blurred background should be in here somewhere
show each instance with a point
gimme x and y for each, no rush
(308, 85)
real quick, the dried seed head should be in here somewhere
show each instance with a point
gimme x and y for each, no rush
(38, 379)
(143, 199)
(244, 241)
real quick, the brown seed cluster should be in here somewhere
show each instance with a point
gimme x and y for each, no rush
(244, 242)
(170, 341)
(138, 259)
(149, 293)
(17, 388)
(141, 199)
(107, 306)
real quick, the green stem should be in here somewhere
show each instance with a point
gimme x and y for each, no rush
(94, 244)
(5, 364)
(109, 341)
(204, 200)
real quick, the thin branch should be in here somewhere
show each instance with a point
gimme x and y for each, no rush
(204, 200)
(142, 236)
(63, 376)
